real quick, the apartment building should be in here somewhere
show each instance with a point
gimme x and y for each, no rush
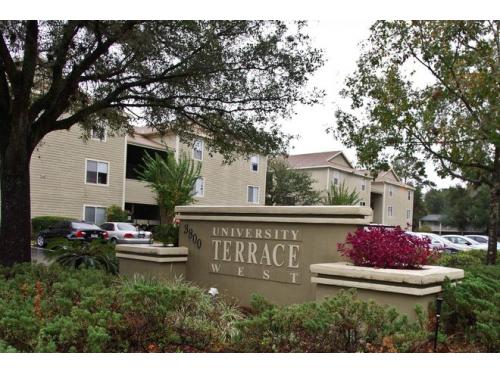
(77, 179)
(390, 199)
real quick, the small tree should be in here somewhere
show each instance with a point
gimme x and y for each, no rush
(171, 180)
(115, 213)
(339, 195)
(288, 187)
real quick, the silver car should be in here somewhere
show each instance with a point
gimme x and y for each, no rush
(126, 233)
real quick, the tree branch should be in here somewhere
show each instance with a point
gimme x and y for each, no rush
(7, 61)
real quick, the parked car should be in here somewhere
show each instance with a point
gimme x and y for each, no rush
(126, 233)
(439, 243)
(462, 240)
(71, 230)
(481, 239)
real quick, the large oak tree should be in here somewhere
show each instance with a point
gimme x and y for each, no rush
(229, 79)
(428, 91)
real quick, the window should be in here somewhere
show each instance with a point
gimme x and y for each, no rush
(198, 150)
(409, 195)
(389, 211)
(98, 134)
(254, 163)
(199, 187)
(408, 214)
(253, 194)
(362, 203)
(336, 178)
(390, 191)
(108, 226)
(97, 172)
(363, 185)
(96, 215)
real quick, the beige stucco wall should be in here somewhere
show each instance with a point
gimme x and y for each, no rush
(313, 232)
(58, 174)
(399, 202)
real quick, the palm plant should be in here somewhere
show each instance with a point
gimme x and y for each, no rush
(171, 180)
(77, 254)
(339, 195)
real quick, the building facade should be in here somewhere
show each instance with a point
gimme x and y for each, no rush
(79, 179)
(390, 199)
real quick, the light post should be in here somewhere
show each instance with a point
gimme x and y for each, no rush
(439, 303)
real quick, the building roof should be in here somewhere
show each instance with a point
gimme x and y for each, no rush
(311, 160)
(432, 217)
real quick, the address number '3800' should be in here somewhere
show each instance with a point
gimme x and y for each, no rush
(192, 236)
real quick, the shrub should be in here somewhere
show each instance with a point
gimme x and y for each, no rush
(339, 324)
(386, 248)
(56, 309)
(461, 259)
(472, 307)
(79, 254)
(167, 234)
(115, 213)
(40, 223)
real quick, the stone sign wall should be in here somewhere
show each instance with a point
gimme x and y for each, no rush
(265, 250)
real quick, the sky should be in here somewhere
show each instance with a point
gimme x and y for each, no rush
(340, 41)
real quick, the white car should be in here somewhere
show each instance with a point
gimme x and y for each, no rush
(440, 243)
(481, 239)
(462, 240)
(126, 233)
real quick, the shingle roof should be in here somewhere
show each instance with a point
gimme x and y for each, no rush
(311, 160)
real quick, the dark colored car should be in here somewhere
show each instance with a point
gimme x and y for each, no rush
(71, 230)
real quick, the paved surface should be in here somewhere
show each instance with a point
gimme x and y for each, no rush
(38, 256)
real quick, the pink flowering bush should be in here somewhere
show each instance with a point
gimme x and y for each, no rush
(386, 248)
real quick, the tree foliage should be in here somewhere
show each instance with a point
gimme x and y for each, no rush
(428, 91)
(288, 187)
(173, 181)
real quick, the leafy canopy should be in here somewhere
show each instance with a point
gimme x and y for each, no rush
(426, 90)
(230, 79)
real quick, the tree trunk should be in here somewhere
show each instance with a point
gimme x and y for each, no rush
(491, 256)
(15, 230)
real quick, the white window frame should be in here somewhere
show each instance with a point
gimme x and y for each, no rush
(390, 191)
(202, 144)
(94, 206)
(258, 193)
(363, 184)
(362, 203)
(336, 175)
(409, 195)
(92, 137)
(96, 183)
(196, 195)
(390, 212)
(408, 213)
(257, 163)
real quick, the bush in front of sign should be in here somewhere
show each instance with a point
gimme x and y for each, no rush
(343, 323)
(167, 234)
(386, 248)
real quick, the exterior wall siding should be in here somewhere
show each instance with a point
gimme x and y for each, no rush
(400, 204)
(227, 184)
(58, 172)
